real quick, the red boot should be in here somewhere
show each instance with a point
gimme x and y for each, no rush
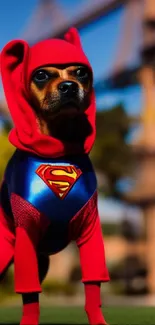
(31, 309)
(93, 304)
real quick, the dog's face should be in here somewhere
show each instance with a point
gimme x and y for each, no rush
(60, 93)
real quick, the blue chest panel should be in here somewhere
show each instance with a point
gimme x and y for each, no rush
(58, 188)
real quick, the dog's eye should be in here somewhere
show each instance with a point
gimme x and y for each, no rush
(82, 72)
(41, 76)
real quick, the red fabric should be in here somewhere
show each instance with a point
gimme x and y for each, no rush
(92, 257)
(85, 228)
(28, 217)
(18, 61)
(26, 265)
(82, 224)
(31, 313)
(93, 304)
(7, 240)
(7, 222)
(30, 226)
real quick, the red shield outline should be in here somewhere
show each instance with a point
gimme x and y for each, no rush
(59, 178)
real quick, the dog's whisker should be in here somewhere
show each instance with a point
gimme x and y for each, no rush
(81, 94)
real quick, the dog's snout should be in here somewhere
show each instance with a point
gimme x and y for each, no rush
(68, 87)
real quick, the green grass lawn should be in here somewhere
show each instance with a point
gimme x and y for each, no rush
(76, 315)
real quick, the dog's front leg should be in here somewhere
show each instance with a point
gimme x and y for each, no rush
(27, 277)
(93, 265)
(93, 303)
(31, 310)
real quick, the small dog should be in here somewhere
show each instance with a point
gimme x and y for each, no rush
(60, 95)
(48, 197)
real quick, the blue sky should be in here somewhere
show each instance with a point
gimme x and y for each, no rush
(99, 41)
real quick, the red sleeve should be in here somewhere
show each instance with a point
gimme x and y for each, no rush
(7, 241)
(28, 223)
(91, 245)
(26, 264)
(92, 257)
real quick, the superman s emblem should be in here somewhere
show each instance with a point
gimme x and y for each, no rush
(59, 179)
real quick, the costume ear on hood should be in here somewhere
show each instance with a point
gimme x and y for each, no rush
(14, 61)
(73, 37)
(14, 57)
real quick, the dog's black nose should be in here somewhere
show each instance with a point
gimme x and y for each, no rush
(68, 87)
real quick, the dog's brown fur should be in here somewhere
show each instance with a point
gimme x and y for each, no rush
(46, 99)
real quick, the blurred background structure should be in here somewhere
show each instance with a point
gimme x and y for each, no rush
(119, 38)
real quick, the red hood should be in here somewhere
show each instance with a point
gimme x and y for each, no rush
(18, 61)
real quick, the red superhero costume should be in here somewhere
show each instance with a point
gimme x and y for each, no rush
(37, 213)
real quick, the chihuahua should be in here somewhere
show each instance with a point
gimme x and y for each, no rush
(48, 196)
(60, 96)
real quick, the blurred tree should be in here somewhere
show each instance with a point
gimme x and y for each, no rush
(6, 150)
(111, 154)
(129, 231)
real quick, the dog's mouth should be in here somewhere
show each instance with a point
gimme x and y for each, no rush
(70, 127)
(69, 107)
(66, 119)
(56, 107)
